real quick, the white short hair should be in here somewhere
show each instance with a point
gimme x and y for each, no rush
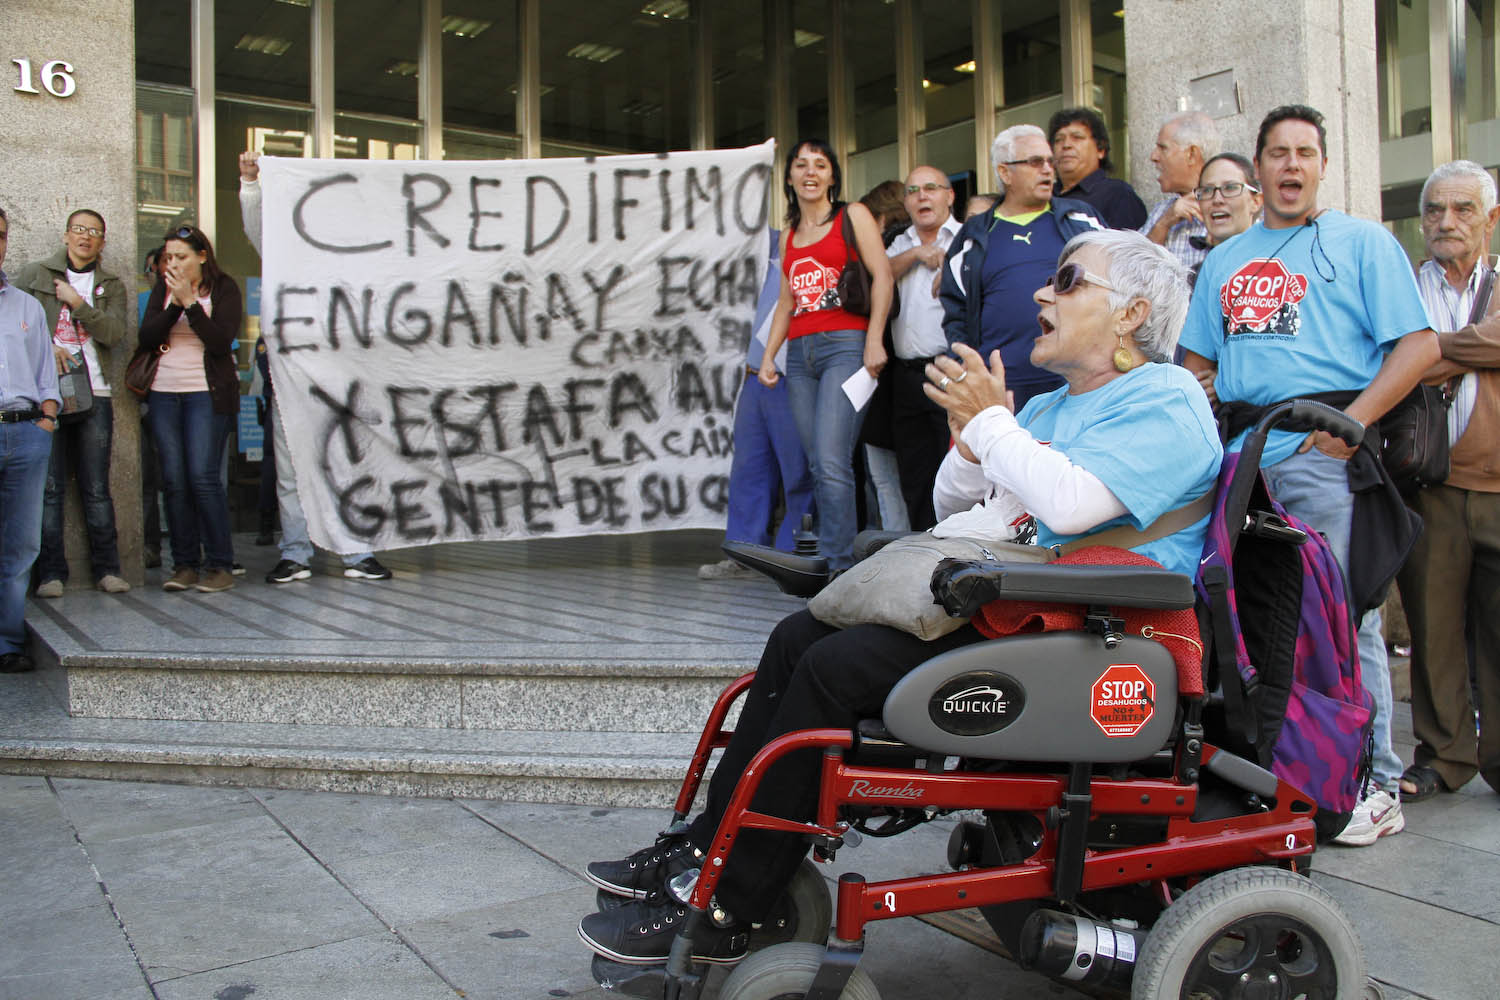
(1194, 128)
(1466, 170)
(1139, 269)
(1003, 149)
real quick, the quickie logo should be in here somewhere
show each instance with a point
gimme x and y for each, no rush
(1256, 294)
(982, 700)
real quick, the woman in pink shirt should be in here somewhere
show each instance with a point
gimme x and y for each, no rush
(192, 318)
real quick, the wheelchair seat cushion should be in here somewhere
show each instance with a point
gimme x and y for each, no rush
(1177, 630)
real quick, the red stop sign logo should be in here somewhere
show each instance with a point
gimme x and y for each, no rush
(1255, 293)
(1122, 700)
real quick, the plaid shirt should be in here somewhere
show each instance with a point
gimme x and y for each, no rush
(1179, 237)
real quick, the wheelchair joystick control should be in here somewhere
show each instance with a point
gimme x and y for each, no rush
(805, 541)
(1077, 949)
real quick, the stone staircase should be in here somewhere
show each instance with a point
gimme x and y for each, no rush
(571, 670)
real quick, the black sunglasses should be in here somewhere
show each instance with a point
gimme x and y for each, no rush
(1070, 275)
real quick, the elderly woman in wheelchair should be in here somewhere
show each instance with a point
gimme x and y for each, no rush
(1128, 439)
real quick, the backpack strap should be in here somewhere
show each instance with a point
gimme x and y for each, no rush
(1126, 537)
(1238, 714)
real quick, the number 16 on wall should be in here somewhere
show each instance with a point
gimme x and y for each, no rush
(57, 78)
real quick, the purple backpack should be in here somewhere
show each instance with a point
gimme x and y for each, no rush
(1281, 646)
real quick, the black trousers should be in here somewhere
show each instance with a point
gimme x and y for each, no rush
(919, 437)
(810, 676)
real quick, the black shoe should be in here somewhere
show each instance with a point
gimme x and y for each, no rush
(368, 568)
(236, 569)
(288, 570)
(16, 663)
(641, 933)
(151, 557)
(647, 870)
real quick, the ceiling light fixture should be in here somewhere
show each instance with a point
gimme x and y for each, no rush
(594, 52)
(465, 27)
(267, 45)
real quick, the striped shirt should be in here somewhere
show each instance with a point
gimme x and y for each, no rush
(1448, 310)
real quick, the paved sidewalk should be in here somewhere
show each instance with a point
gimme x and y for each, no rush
(127, 891)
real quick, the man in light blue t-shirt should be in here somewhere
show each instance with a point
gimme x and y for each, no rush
(1312, 301)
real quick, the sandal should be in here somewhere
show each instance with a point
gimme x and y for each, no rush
(1424, 781)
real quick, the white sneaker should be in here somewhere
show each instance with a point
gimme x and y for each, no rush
(726, 569)
(1377, 815)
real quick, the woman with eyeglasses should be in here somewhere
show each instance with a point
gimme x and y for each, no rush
(1227, 196)
(192, 319)
(827, 343)
(1127, 439)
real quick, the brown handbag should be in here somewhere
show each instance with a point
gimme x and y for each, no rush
(854, 279)
(141, 371)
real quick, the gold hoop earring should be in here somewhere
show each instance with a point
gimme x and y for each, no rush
(1124, 360)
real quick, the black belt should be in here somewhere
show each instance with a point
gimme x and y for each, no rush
(16, 416)
(916, 364)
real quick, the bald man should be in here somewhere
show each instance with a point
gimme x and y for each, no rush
(919, 427)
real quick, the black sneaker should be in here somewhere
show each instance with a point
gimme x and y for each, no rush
(367, 569)
(288, 570)
(647, 870)
(641, 933)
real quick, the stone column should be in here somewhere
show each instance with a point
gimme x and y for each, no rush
(77, 151)
(1317, 52)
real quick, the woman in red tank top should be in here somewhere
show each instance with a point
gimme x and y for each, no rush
(826, 344)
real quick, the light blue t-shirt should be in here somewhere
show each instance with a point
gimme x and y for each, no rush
(1149, 436)
(1286, 312)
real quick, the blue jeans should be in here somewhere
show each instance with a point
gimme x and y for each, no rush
(24, 450)
(768, 458)
(817, 366)
(81, 447)
(190, 439)
(295, 543)
(1315, 488)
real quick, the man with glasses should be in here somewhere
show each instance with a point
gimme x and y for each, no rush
(1311, 302)
(919, 427)
(1183, 145)
(85, 306)
(29, 402)
(1447, 588)
(1000, 258)
(1080, 143)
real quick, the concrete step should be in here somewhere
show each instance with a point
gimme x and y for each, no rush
(616, 769)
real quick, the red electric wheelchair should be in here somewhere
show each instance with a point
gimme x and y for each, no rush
(1121, 849)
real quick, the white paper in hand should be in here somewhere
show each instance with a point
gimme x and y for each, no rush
(859, 387)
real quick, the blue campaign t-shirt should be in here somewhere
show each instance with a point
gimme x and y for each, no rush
(1286, 312)
(1018, 260)
(1149, 436)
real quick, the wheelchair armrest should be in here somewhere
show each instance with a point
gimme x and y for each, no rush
(963, 586)
(800, 576)
(870, 541)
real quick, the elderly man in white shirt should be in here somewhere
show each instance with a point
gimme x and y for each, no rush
(919, 427)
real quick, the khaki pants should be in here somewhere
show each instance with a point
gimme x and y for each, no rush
(1451, 581)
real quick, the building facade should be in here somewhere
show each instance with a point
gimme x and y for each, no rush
(166, 93)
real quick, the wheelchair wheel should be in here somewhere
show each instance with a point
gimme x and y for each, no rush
(1251, 932)
(785, 972)
(803, 913)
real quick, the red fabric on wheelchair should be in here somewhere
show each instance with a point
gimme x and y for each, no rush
(1176, 630)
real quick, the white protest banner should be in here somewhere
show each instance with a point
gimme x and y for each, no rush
(504, 349)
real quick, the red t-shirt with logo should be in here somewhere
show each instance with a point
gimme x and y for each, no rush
(813, 274)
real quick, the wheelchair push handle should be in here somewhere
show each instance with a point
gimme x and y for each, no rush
(1322, 417)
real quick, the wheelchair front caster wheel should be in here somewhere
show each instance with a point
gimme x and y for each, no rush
(785, 972)
(803, 913)
(1252, 932)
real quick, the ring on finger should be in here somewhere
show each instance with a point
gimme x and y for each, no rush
(962, 375)
(944, 382)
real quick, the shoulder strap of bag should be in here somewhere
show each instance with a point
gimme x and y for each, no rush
(1126, 537)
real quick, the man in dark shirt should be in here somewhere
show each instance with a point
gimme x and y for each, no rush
(1000, 258)
(1080, 144)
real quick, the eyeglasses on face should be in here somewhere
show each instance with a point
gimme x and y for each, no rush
(1071, 275)
(1230, 190)
(1034, 162)
(931, 187)
(77, 230)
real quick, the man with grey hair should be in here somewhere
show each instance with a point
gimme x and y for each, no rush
(1447, 585)
(1001, 257)
(1185, 142)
